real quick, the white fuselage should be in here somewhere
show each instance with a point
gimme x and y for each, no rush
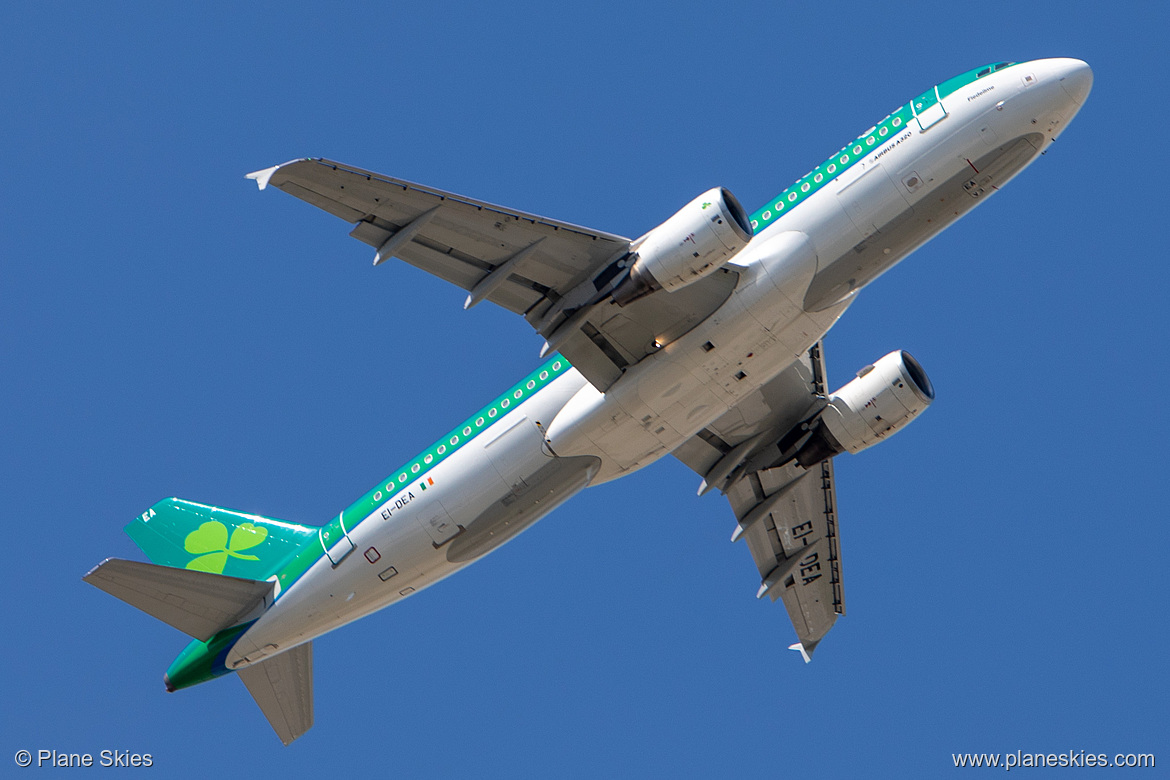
(796, 277)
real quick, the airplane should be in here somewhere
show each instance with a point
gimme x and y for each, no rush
(702, 339)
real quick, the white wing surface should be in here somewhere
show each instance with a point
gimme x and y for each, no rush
(550, 272)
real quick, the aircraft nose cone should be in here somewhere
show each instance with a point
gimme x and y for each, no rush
(1076, 79)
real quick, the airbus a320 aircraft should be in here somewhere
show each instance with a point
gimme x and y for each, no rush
(701, 340)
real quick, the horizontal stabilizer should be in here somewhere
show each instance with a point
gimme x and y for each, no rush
(283, 687)
(197, 603)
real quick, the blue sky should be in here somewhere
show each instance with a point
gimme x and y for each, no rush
(167, 330)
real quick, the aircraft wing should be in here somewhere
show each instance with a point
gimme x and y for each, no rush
(786, 514)
(553, 273)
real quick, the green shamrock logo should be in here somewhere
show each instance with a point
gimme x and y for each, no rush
(210, 542)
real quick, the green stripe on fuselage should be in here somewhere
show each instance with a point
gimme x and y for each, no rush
(202, 661)
(889, 128)
(416, 470)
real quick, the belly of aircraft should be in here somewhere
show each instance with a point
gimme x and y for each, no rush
(900, 233)
(486, 493)
(795, 280)
(668, 398)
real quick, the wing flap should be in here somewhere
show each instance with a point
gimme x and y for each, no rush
(197, 603)
(283, 687)
(517, 295)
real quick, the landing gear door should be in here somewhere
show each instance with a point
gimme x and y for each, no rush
(928, 109)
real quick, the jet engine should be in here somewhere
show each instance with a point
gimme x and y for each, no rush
(693, 243)
(884, 398)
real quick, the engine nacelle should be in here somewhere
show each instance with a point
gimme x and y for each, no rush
(884, 398)
(693, 243)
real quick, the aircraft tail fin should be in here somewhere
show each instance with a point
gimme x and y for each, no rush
(197, 603)
(283, 687)
(203, 538)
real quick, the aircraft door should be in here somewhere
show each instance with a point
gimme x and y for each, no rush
(928, 108)
(335, 540)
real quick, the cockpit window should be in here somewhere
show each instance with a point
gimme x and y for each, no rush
(990, 68)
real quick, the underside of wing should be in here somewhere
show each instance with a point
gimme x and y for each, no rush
(787, 514)
(556, 274)
(456, 238)
(795, 545)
